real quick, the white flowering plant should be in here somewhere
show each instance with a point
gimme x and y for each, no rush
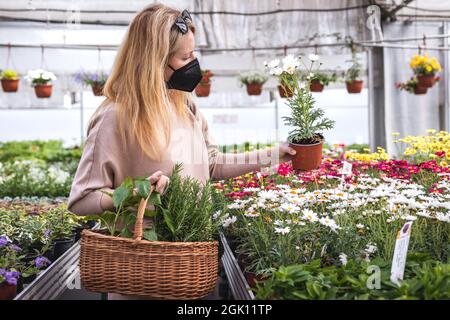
(253, 77)
(307, 121)
(295, 218)
(39, 77)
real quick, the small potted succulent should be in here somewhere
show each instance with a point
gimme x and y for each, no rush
(352, 77)
(319, 80)
(41, 80)
(203, 89)
(412, 86)
(96, 80)
(425, 68)
(254, 80)
(308, 122)
(10, 80)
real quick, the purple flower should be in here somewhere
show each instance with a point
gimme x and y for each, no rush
(41, 262)
(4, 240)
(11, 277)
(47, 233)
(16, 248)
(2, 272)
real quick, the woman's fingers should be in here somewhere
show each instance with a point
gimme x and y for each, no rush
(286, 150)
(162, 183)
(155, 177)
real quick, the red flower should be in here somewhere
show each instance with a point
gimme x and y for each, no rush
(440, 154)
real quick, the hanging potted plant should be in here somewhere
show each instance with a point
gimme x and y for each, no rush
(41, 80)
(308, 122)
(425, 68)
(352, 76)
(254, 80)
(10, 80)
(318, 80)
(412, 86)
(95, 80)
(203, 89)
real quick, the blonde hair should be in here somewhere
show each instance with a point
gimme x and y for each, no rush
(137, 85)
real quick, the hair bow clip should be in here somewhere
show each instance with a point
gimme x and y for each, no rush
(182, 21)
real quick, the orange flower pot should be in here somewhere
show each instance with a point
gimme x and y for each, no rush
(9, 85)
(97, 90)
(285, 92)
(203, 89)
(7, 291)
(426, 81)
(316, 86)
(43, 90)
(308, 156)
(354, 86)
(420, 90)
(254, 89)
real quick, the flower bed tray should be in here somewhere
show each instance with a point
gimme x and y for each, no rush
(239, 286)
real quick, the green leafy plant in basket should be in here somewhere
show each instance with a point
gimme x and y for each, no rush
(184, 213)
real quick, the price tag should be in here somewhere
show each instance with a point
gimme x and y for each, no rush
(400, 252)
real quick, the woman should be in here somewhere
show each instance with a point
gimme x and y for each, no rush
(148, 122)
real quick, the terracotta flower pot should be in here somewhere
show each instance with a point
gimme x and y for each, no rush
(43, 90)
(9, 85)
(203, 89)
(354, 86)
(420, 90)
(7, 291)
(285, 92)
(254, 89)
(97, 90)
(426, 81)
(316, 86)
(252, 278)
(308, 156)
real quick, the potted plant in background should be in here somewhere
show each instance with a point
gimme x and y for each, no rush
(203, 89)
(352, 76)
(13, 268)
(318, 80)
(308, 122)
(425, 68)
(95, 80)
(61, 224)
(41, 80)
(412, 86)
(10, 80)
(254, 80)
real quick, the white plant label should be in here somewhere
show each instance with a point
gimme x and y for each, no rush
(347, 168)
(400, 252)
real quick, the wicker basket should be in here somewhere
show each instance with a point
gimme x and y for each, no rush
(151, 269)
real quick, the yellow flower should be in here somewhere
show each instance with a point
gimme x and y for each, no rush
(395, 134)
(443, 164)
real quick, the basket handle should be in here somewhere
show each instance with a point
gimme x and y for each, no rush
(139, 226)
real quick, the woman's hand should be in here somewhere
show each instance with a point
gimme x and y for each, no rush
(286, 153)
(161, 181)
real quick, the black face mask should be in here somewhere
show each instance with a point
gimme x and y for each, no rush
(186, 78)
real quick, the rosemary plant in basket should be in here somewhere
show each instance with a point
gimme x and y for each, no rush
(183, 213)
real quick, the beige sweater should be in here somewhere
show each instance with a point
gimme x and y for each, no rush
(105, 164)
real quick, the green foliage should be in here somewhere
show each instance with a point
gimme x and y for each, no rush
(253, 77)
(424, 279)
(308, 122)
(354, 71)
(183, 214)
(324, 78)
